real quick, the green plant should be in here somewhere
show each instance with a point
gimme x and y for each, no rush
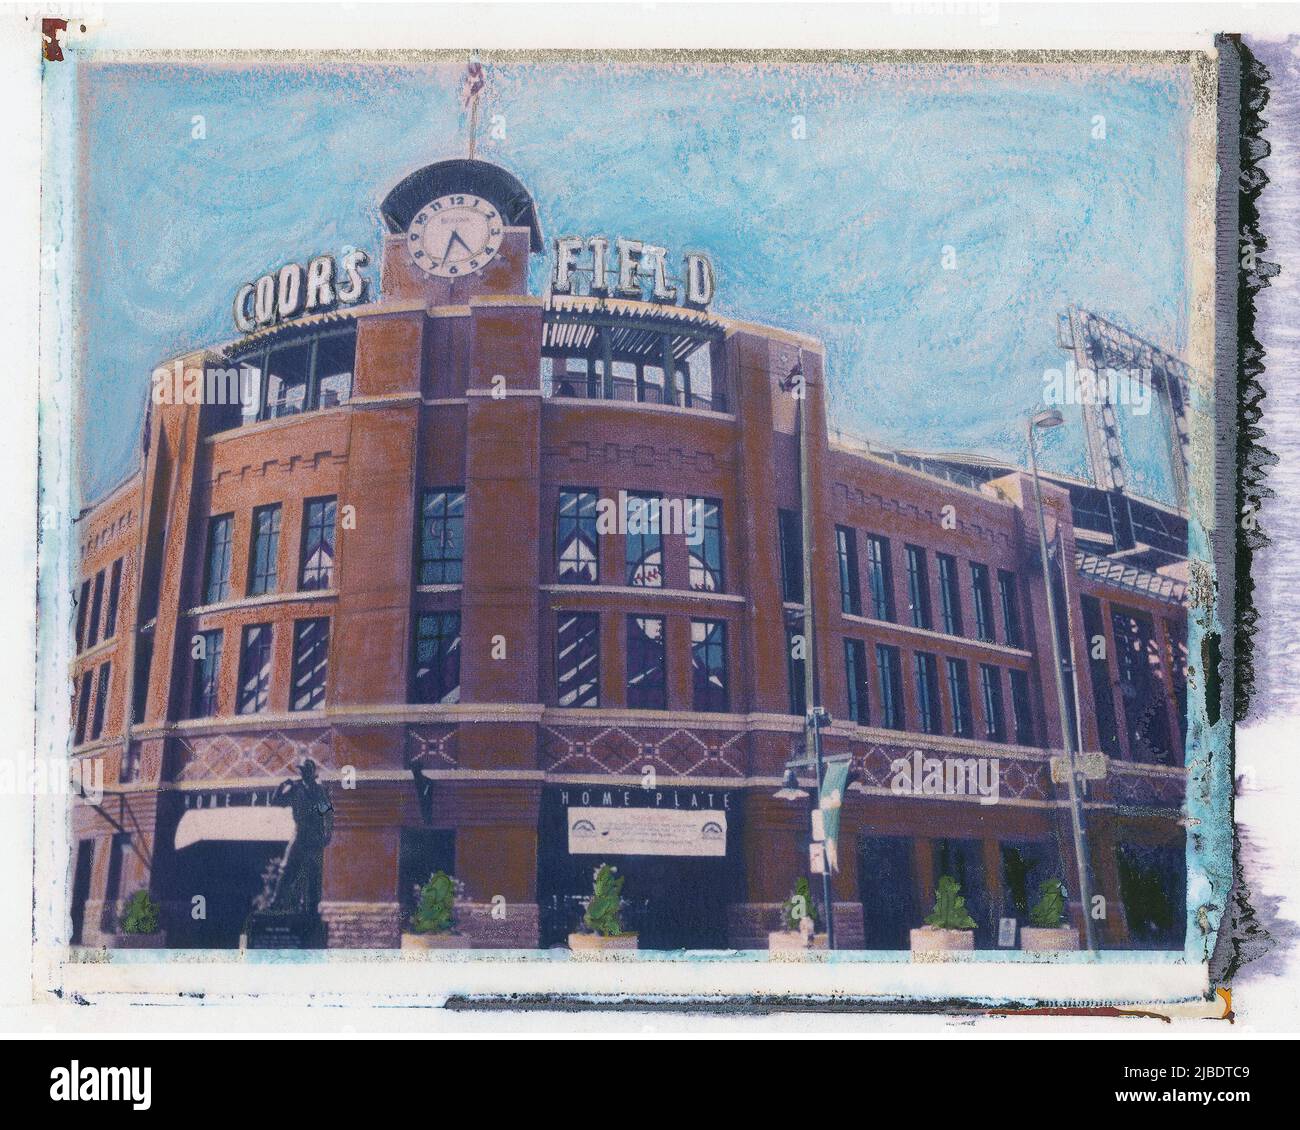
(602, 911)
(141, 915)
(798, 906)
(949, 911)
(437, 905)
(1049, 910)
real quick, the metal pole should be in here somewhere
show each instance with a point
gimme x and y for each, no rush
(1076, 809)
(812, 726)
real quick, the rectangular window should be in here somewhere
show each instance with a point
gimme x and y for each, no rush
(254, 669)
(794, 663)
(437, 658)
(83, 610)
(846, 546)
(577, 659)
(647, 685)
(114, 594)
(979, 576)
(918, 587)
(1024, 719)
(711, 686)
(101, 703)
(705, 558)
(143, 665)
(577, 546)
(311, 652)
(949, 594)
(335, 358)
(216, 575)
(927, 692)
(855, 675)
(318, 543)
(96, 607)
(1103, 692)
(645, 550)
(264, 551)
(1143, 688)
(790, 529)
(995, 726)
(959, 692)
(889, 664)
(881, 571)
(1010, 608)
(287, 370)
(206, 674)
(442, 536)
(83, 707)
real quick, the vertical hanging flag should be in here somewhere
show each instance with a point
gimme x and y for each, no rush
(470, 90)
(835, 778)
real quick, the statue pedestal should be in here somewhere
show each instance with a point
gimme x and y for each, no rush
(269, 930)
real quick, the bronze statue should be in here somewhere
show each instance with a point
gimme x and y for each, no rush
(299, 888)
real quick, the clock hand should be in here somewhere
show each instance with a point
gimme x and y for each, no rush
(455, 238)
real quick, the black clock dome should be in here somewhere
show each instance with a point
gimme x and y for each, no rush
(460, 175)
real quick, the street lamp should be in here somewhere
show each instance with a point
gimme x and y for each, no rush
(1042, 421)
(815, 717)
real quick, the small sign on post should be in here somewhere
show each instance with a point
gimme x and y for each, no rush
(1006, 932)
(817, 858)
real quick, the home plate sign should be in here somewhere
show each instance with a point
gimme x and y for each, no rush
(647, 831)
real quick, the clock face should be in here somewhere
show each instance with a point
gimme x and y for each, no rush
(454, 235)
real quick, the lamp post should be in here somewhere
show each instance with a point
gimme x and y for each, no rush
(1052, 418)
(814, 716)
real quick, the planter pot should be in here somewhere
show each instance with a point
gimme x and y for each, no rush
(929, 943)
(436, 942)
(138, 942)
(596, 943)
(1042, 939)
(793, 942)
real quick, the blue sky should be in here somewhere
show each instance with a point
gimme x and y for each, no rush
(839, 234)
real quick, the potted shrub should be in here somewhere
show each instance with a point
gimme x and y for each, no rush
(949, 926)
(139, 927)
(798, 924)
(602, 918)
(1045, 931)
(433, 925)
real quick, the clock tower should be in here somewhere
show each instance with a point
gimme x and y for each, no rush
(458, 229)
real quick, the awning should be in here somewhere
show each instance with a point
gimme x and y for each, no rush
(235, 822)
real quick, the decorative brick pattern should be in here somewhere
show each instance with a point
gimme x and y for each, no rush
(225, 757)
(620, 750)
(432, 747)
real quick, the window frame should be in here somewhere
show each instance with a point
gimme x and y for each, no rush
(880, 578)
(326, 572)
(652, 695)
(441, 568)
(846, 555)
(265, 581)
(592, 638)
(444, 692)
(918, 587)
(929, 706)
(205, 686)
(226, 548)
(265, 648)
(577, 537)
(706, 567)
(889, 678)
(700, 701)
(307, 661)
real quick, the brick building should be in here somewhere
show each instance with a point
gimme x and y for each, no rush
(393, 561)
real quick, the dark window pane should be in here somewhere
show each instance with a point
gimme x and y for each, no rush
(889, 665)
(216, 582)
(286, 380)
(645, 553)
(791, 534)
(83, 610)
(995, 726)
(96, 607)
(855, 675)
(442, 537)
(705, 558)
(1142, 687)
(979, 575)
(254, 669)
(577, 547)
(1020, 708)
(264, 550)
(318, 543)
(311, 643)
(709, 666)
(918, 587)
(846, 550)
(83, 707)
(949, 594)
(206, 674)
(101, 703)
(795, 651)
(335, 357)
(437, 658)
(114, 592)
(577, 659)
(646, 681)
(880, 570)
(959, 692)
(927, 692)
(1010, 608)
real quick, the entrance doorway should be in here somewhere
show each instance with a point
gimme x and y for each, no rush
(887, 890)
(229, 876)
